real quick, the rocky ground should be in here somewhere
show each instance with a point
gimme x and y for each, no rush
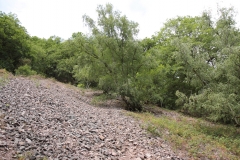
(44, 119)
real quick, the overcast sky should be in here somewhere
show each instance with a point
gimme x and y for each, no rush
(45, 18)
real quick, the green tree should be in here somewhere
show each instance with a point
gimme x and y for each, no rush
(214, 72)
(38, 54)
(116, 54)
(46, 54)
(173, 65)
(13, 42)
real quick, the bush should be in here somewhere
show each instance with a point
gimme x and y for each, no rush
(25, 70)
(215, 106)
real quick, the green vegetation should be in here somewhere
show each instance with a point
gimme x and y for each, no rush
(4, 77)
(201, 139)
(113, 54)
(190, 65)
(25, 70)
(28, 155)
(99, 99)
(13, 42)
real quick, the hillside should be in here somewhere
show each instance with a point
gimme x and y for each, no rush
(45, 119)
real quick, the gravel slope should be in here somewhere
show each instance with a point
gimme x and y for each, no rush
(43, 118)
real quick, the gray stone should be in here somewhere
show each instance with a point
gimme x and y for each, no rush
(54, 121)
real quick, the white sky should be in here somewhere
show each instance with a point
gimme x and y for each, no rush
(45, 18)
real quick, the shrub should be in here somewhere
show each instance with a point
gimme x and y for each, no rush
(25, 70)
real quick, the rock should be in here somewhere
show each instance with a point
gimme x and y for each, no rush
(21, 143)
(96, 158)
(2, 143)
(147, 155)
(22, 148)
(88, 147)
(53, 121)
(114, 153)
(23, 113)
(28, 141)
(20, 129)
(101, 137)
(27, 95)
(135, 143)
(32, 158)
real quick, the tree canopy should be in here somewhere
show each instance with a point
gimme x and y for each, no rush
(13, 42)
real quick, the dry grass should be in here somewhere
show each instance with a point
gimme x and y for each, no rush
(199, 138)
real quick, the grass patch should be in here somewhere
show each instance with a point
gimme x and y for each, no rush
(4, 77)
(100, 99)
(29, 155)
(36, 81)
(199, 138)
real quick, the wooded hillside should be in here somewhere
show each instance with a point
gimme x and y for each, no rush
(191, 64)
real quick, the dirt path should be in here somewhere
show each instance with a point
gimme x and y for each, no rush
(43, 118)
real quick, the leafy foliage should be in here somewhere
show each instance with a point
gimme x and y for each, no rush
(13, 42)
(214, 73)
(116, 56)
(25, 70)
